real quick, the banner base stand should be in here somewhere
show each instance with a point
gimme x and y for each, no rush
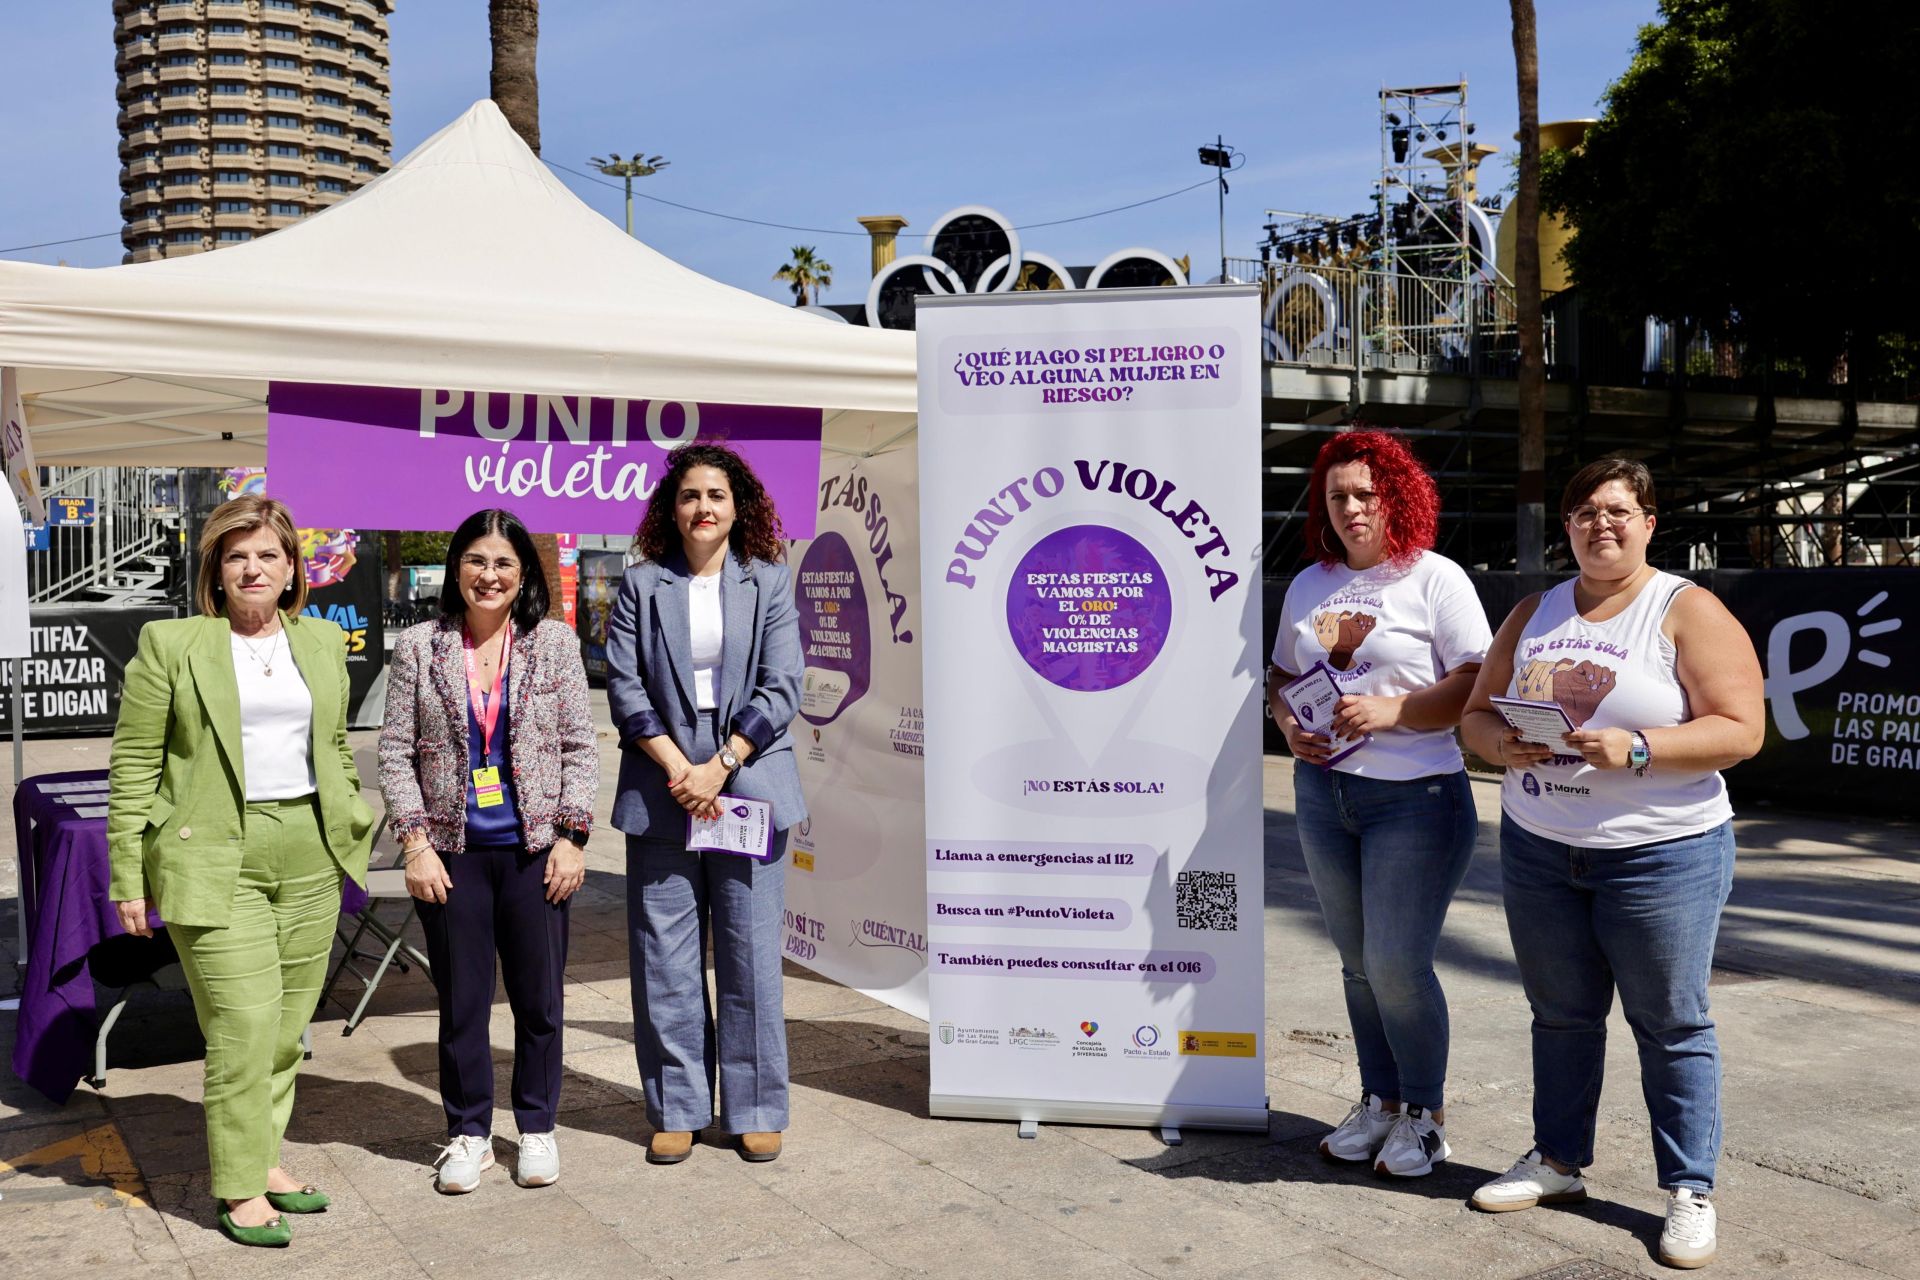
(1029, 1113)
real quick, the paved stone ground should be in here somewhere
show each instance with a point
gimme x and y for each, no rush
(1817, 995)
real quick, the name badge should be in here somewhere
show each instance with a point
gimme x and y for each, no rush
(487, 791)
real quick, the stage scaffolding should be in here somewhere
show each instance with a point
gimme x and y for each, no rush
(1398, 316)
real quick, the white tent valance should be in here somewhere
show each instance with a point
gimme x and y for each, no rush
(469, 265)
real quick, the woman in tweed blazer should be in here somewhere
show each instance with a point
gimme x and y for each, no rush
(488, 763)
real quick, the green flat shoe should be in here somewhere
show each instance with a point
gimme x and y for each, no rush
(305, 1200)
(276, 1234)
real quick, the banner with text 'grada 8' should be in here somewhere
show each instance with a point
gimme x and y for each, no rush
(857, 889)
(1090, 534)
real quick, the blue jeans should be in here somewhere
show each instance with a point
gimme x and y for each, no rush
(1585, 921)
(1385, 858)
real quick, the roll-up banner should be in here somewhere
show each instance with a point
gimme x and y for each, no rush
(857, 891)
(1090, 569)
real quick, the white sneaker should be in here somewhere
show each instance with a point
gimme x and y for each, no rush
(539, 1162)
(1357, 1139)
(1414, 1145)
(1691, 1238)
(461, 1162)
(1530, 1182)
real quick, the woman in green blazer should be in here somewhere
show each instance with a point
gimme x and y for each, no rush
(234, 813)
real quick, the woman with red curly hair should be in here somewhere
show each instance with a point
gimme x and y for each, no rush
(703, 671)
(1386, 828)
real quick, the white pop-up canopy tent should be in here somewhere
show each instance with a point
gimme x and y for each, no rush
(470, 265)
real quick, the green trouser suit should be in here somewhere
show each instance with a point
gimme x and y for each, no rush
(249, 892)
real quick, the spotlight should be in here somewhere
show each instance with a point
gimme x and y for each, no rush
(1472, 129)
(1216, 157)
(1440, 134)
(1392, 118)
(1421, 136)
(1399, 146)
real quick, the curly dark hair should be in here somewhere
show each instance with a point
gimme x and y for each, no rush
(1408, 495)
(756, 525)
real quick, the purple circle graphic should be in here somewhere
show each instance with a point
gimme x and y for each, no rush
(835, 637)
(1088, 608)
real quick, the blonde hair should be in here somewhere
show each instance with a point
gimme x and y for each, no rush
(244, 515)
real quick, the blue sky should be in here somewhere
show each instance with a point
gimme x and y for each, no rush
(817, 113)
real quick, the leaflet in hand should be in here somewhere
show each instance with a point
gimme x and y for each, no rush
(1312, 699)
(1541, 723)
(744, 827)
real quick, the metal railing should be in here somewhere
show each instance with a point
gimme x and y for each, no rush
(125, 555)
(1362, 317)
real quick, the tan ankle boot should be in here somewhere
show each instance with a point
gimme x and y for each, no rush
(759, 1147)
(669, 1147)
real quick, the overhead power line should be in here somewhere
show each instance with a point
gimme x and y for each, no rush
(835, 231)
(732, 217)
(48, 244)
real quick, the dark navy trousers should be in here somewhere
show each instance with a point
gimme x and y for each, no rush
(497, 906)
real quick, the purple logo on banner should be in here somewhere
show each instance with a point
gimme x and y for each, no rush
(1088, 608)
(836, 639)
(374, 457)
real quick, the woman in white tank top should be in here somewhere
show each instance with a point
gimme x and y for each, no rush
(1616, 845)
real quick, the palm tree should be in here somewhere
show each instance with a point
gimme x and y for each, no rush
(514, 26)
(805, 274)
(1530, 533)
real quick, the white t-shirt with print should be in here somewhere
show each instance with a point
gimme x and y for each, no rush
(1386, 631)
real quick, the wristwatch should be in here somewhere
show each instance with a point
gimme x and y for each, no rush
(1639, 756)
(727, 757)
(579, 835)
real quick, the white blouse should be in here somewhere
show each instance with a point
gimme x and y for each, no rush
(707, 626)
(276, 720)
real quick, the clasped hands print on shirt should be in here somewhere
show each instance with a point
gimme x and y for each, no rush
(1579, 687)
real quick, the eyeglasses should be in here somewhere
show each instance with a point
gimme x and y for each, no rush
(1587, 517)
(480, 564)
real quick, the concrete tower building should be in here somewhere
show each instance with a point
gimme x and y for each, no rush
(241, 116)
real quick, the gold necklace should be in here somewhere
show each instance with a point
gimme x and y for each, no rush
(266, 664)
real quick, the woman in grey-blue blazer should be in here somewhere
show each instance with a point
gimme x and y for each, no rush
(703, 673)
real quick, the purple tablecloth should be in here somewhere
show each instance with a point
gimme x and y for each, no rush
(61, 826)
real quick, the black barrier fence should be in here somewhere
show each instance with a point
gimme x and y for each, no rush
(1841, 656)
(72, 681)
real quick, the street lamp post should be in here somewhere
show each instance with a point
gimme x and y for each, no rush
(1220, 156)
(637, 165)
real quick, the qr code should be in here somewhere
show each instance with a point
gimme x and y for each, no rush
(1207, 900)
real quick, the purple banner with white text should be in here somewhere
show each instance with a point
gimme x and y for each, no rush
(426, 458)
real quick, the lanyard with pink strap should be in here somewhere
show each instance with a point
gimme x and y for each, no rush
(487, 790)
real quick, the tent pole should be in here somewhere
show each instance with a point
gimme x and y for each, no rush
(19, 772)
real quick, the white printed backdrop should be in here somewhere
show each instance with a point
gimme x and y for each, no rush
(1092, 614)
(856, 890)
